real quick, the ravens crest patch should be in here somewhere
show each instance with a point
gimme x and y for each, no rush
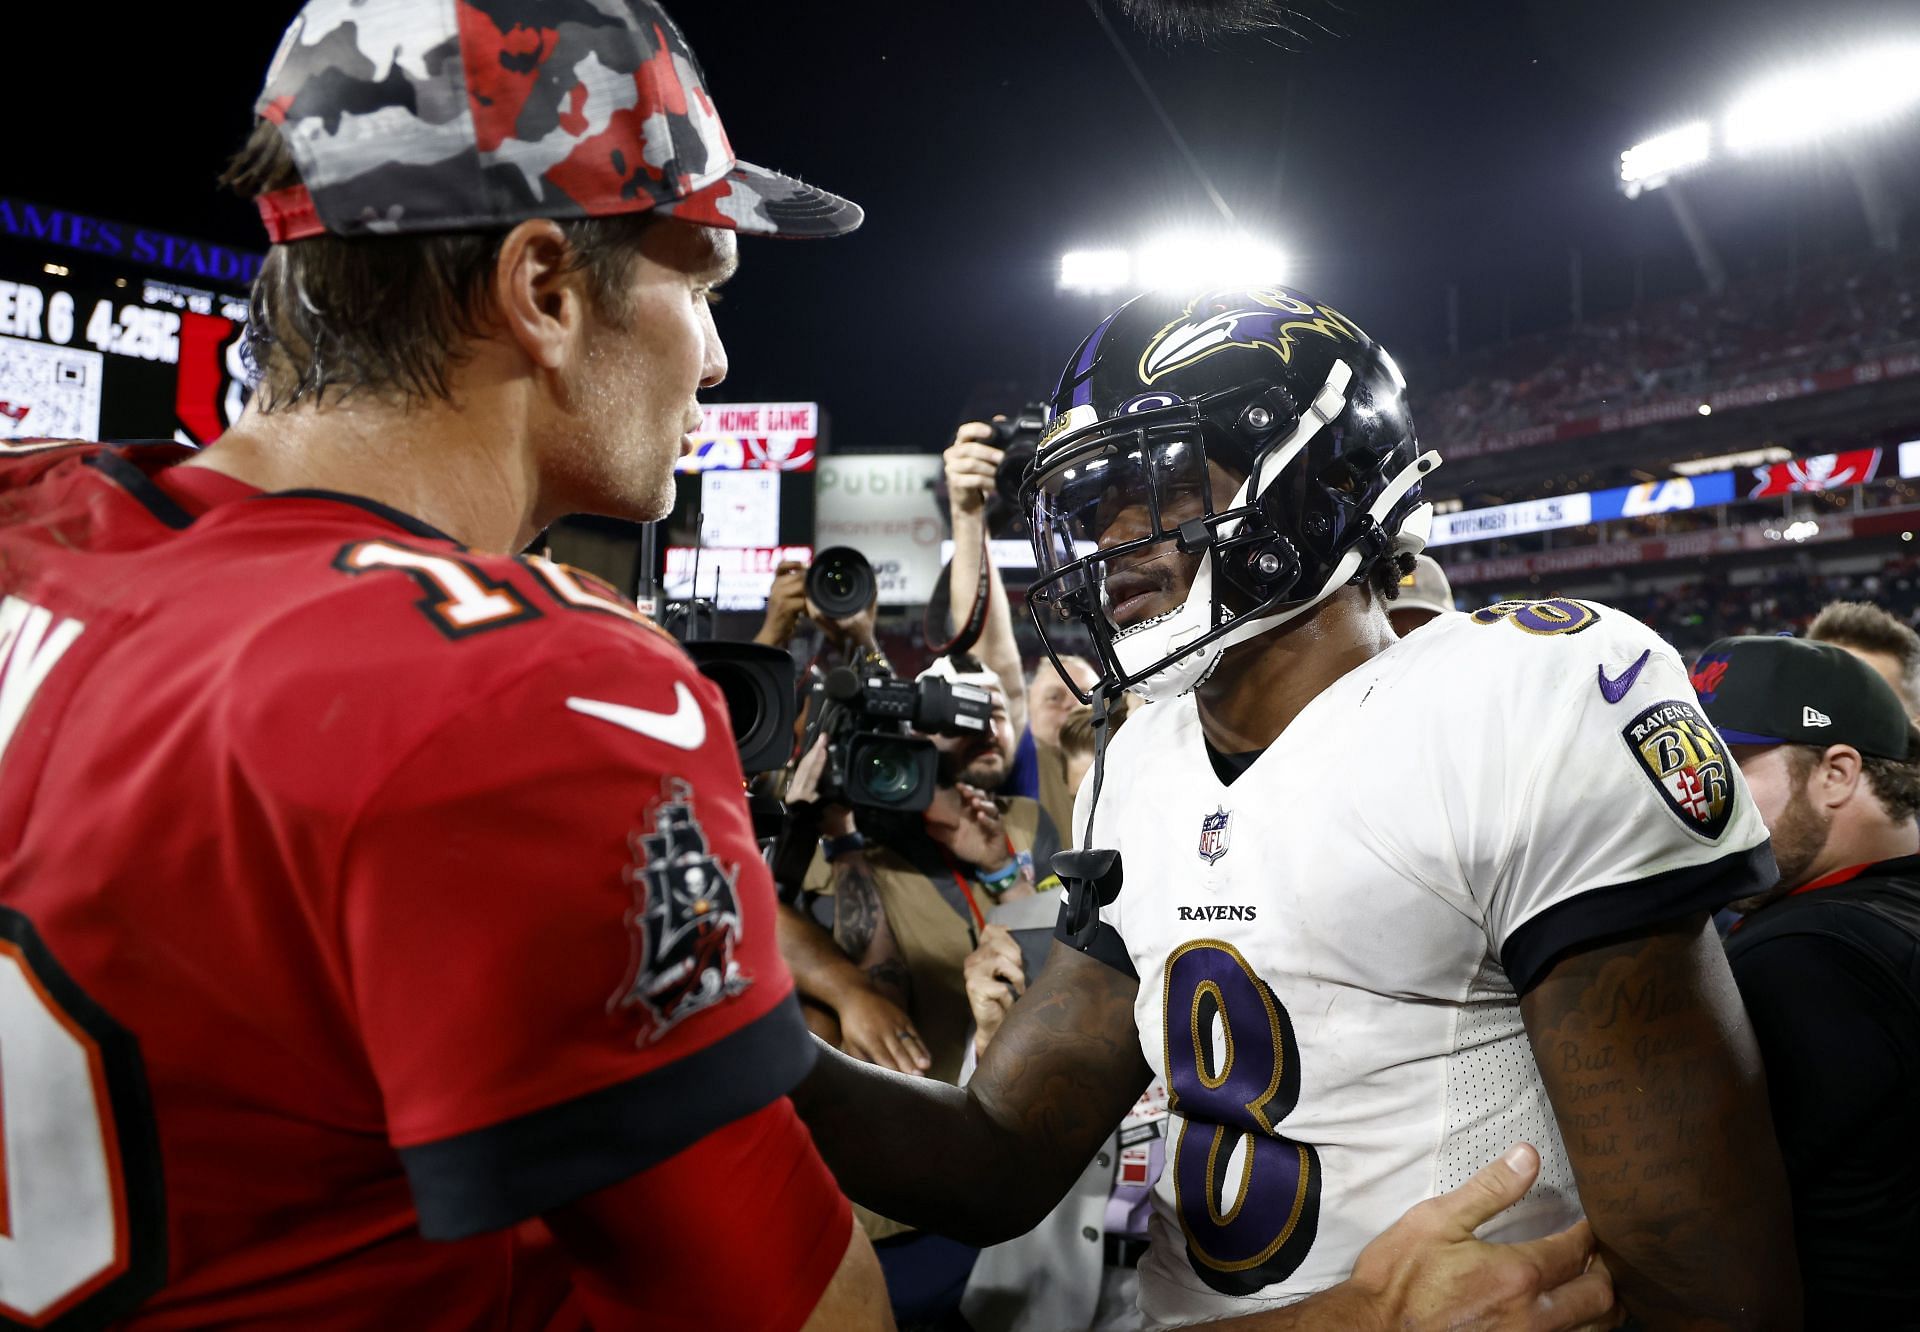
(1687, 762)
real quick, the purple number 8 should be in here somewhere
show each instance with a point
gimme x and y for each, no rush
(1247, 1233)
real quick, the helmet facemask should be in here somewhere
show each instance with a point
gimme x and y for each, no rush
(1128, 510)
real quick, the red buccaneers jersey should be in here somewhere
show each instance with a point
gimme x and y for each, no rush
(360, 898)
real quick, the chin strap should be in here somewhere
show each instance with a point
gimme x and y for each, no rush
(1408, 539)
(1102, 731)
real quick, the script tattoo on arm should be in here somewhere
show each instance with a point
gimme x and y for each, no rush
(1657, 1085)
(987, 1161)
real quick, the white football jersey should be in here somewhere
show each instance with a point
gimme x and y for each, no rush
(1331, 947)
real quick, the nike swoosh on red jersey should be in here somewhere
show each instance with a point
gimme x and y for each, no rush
(683, 728)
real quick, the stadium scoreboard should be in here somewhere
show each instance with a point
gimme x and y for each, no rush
(113, 332)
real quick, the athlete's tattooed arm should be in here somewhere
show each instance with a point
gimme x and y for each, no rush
(986, 1162)
(1658, 1087)
(860, 928)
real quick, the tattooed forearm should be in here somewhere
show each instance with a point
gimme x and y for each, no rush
(1657, 1085)
(856, 905)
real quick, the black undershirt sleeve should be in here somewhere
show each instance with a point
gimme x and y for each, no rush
(1601, 914)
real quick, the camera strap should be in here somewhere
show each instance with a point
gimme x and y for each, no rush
(976, 624)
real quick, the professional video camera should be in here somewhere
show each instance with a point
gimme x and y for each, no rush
(874, 759)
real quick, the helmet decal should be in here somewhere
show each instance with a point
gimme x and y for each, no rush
(1147, 402)
(1265, 317)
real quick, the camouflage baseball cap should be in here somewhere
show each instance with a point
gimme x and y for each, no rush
(446, 115)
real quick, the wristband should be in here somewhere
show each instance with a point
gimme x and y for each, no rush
(835, 847)
(1000, 877)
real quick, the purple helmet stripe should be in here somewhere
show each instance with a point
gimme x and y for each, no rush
(1082, 372)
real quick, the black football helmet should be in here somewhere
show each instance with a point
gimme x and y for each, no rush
(1254, 436)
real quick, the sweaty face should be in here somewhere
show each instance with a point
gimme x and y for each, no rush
(1143, 585)
(979, 760)
(1799, 831)
(1126, 495)
(631, 392)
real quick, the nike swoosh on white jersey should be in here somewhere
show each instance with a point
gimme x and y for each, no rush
(683, 728)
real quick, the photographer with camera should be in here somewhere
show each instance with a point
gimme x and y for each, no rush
(974, 462)
(841, 1003)
(985, 460)
(792, 601)
(915, 854)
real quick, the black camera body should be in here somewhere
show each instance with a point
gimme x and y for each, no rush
(874, 758)
(757, 683)
(1018, 438)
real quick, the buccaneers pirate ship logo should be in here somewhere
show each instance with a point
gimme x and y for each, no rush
(685, 921)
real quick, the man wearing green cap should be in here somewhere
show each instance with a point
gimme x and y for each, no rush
(1828, 961)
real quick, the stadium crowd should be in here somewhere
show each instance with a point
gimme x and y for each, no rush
(1782, 600)
(1828, 315)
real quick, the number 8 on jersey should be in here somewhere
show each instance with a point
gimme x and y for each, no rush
(1232, 1075)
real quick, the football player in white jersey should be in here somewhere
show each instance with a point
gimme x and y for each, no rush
(1373, 908)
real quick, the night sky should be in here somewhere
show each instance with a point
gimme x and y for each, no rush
(1390, 148)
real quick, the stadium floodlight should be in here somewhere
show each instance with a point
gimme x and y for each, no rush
(1178, 260)
(1800, 105)
(1207, 261)
(1649, 165)
(1096, 272)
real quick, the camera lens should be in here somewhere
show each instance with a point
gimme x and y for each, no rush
(841, 582)
(889, 776)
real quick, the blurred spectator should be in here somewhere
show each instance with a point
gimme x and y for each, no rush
(1828, 961)
(1050, 704)
(1877, 638)
(1424, 593)
(1076, 749)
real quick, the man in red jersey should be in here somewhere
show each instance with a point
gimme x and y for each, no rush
(383, 939)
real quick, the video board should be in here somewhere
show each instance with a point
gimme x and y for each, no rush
(113, 332)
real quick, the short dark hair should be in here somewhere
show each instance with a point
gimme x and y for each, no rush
(390, 315)
(1863, 626)
(1895, 783)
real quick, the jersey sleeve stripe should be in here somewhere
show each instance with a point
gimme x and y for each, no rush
(1602, 913)
(501, 1175)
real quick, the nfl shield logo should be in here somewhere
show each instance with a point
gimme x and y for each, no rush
(1216, 830)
